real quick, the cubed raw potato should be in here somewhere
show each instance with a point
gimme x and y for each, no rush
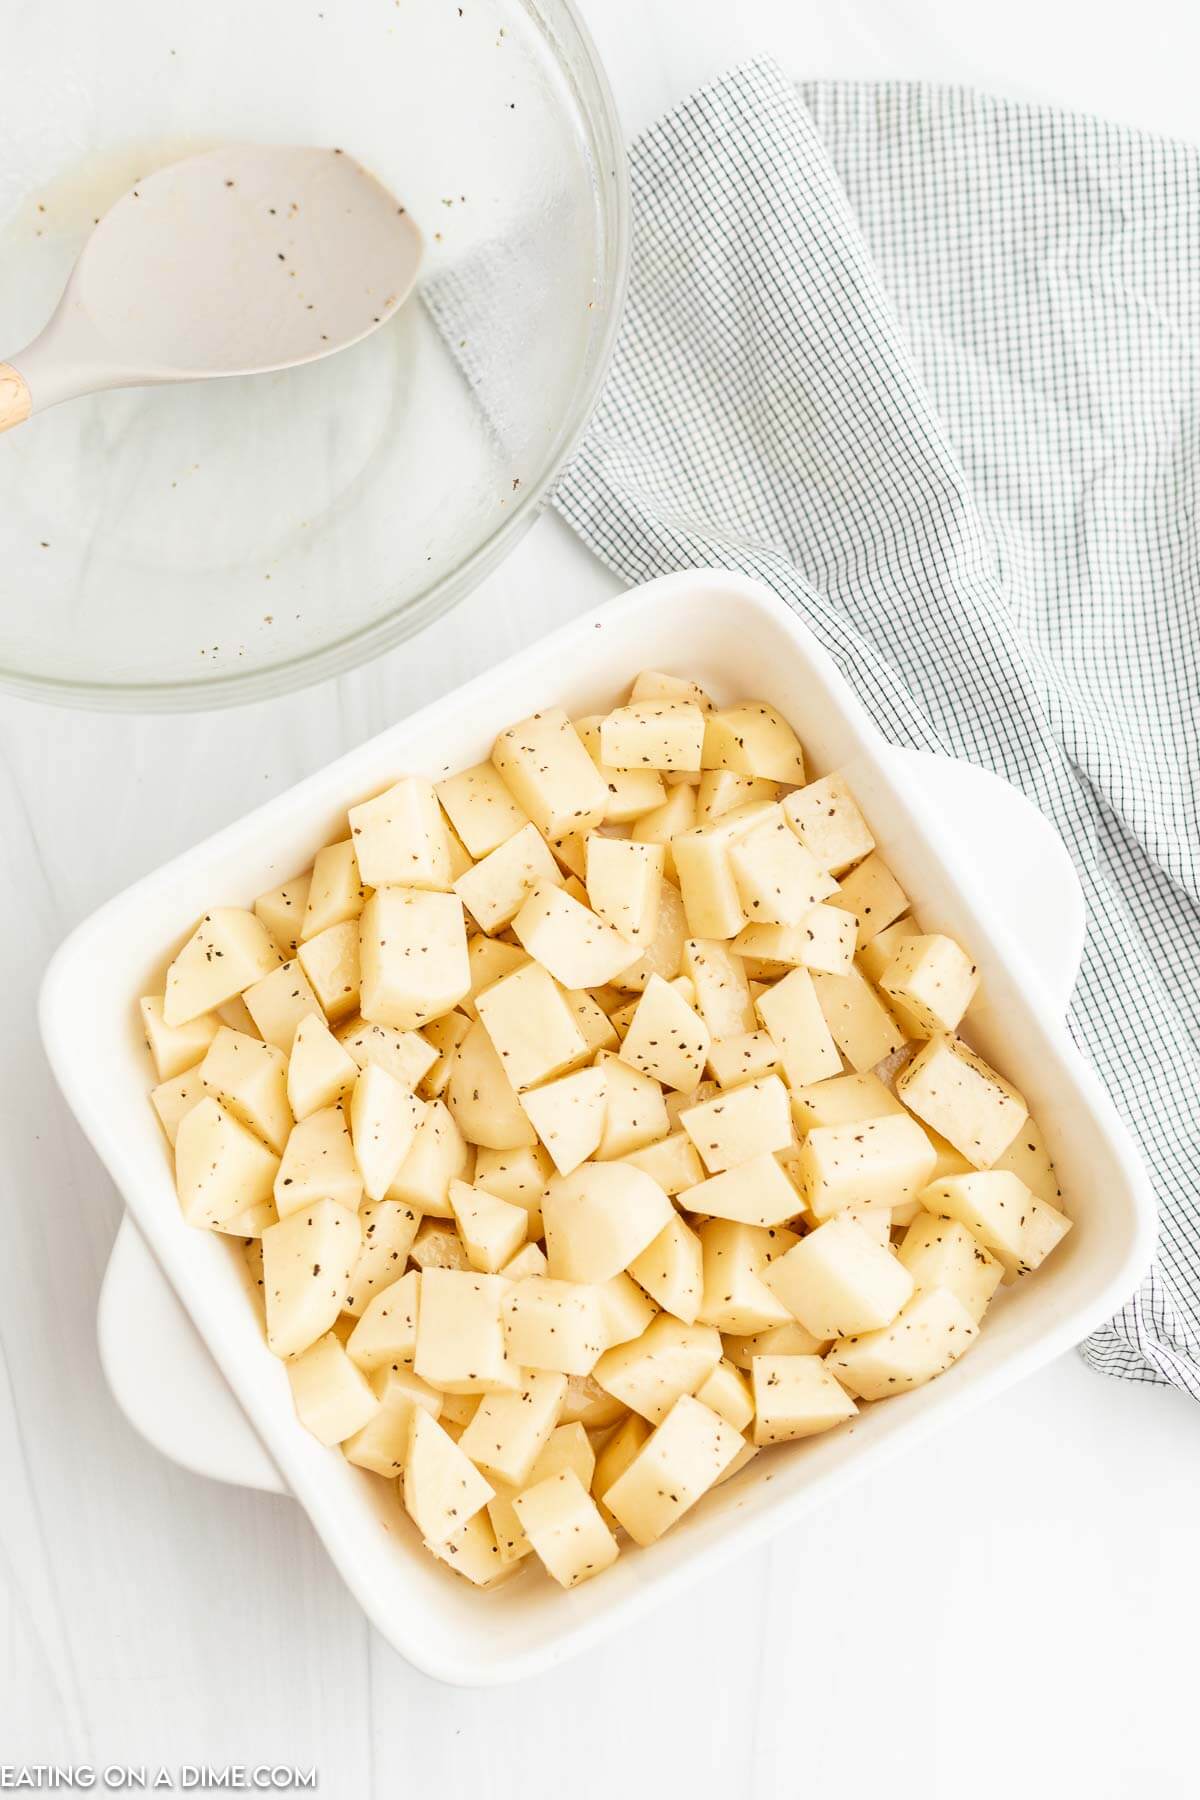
(444, 1035)
(649, 1373)
(386, 1333)
(414, 956)
(550, 774)
(437, 1245)
(720, 790)
(318, 1163)
(388, 1230)
(777, 1340)
(931, 980)
(664, 954)
(442, 1488)
(457, 1412)
(677, 813)
(175, 1049)
(757, 1192)
(653, 734)
(796, 1397)
(508, 1432)
(624, 1309)
(631, 792)
(332, 1397)
(229, 949)
(567, 938)
(563, 1524)
(481, 1098)
(753, 739)
(382, 1443)
(384, 1117)
(830, 936)
(489, 959)
(568, 1116)
(474, 1553)
(666, 1038)
(860, 1024)
(529, 1260)
(778, 881)
(599, 1218)
(592, 1020)
(654, 684)
(532, 1026)
(825, 817)
(279, 1002)
(624, 885)
(249, 1078)
(711, 902)
(236, 1015)
(336, 892)
(929, 1334)
(635, 1112)
(495, 890)
(308, 1260)
(332, 966)
(735, 1298)
(793, 1018)
(320, 1071)
(568, 1448)
(679, 1462)
(722, 991)
(767, 952)
(842, 1101)
(221, 1168)
(407, 1055)
(671, 1269)
(838, 1281)
(400, 837)
(876, 1221)
(282, 911)
(555, 1325)
(1044, 1228)
(173, 1100)
(871, 892)
(727, 1392)
(992, 1204)
(1028, 1158)
(492, 1230)
(588, 1405)
(615, 1456)
(460, 1341)
(868, 1162)
(480, 808)
(873, 958)
(962, 1097)
(437, 1157)
(740, 1123)
(672, 1162)
(519, 1176)
(941, 1253)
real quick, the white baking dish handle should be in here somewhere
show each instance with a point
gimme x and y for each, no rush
(157, 1366)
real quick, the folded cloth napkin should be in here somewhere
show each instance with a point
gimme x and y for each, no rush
(926, 363)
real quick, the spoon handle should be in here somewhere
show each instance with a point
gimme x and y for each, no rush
(15, 403)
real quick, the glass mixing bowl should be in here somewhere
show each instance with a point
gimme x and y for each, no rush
(227, 540)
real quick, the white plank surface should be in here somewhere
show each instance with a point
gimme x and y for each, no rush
(1011, 1610)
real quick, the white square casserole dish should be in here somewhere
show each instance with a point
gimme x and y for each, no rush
(741, 641)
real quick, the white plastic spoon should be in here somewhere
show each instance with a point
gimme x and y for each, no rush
(234, 262)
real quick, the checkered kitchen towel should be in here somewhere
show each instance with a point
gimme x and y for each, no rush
(928, 364)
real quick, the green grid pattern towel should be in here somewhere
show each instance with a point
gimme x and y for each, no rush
(927, 364)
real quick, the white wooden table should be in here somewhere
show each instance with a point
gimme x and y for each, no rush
(1012, 1610)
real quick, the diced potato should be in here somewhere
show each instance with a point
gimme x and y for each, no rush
(473, 1553)
(769, 951)
(407, 1055)
(615, 1456)
(442, 1488)
(736, 1258)
(568, 940)
(489, 959)
(550, 774)
(1044, 1228)
(564, 1526)
(228, 950)
(414, 956)
(757, 1192)
(830, 936)
(729, 1395)
(933, 980)
(175, 1049)
(871, 892)
(624, 1309)
(722, 991)
(482, 1100)
(650, 1373)
(438, 1156)
(941, 1253)
(861, 1025)
(444, 1036)
(389, 1228)
(384, 1117)
(778, 881)
(671, 1269)
(460, 1341)
(532, 1026)
(495, 890)
(631, 792)
(653, 734)
(173, 1100)
(962, 1097)
(720, 790)
(400, 837)
(320, 1072)
(568, 1116)
(221, 1168)
(929, 1334)
(873, 958)
(665, 952)
(868, 1162)
(838, 1281)
(555, 1325)
(480, 808)
(1028, 1158)
(624, 885)
(333, 1399)
(386, 1333)
(753, 739)
(793, 1018)
(381, 1445)
(592, 1020)
(740, 1123)
(666, 1038)
(672, 1162)
(438, 1246)
(796, 1397)
(653, 684)
(677, 813)
(635, 1111)
(336, 892)
(529, 1260)
(492, 1230)
(826, 819)
(308, 1259)
(777, 1340)
(993, 1206)
(508, 1432)
(332, 965)
(282, 911)
(236, 1014)
(279, 1002)
(519, 1176)
(568, 1448)
(249, 1078)
(599, 1218)
(711, 901)
(318, 1163)
(843, 1100)
(690, 1450)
